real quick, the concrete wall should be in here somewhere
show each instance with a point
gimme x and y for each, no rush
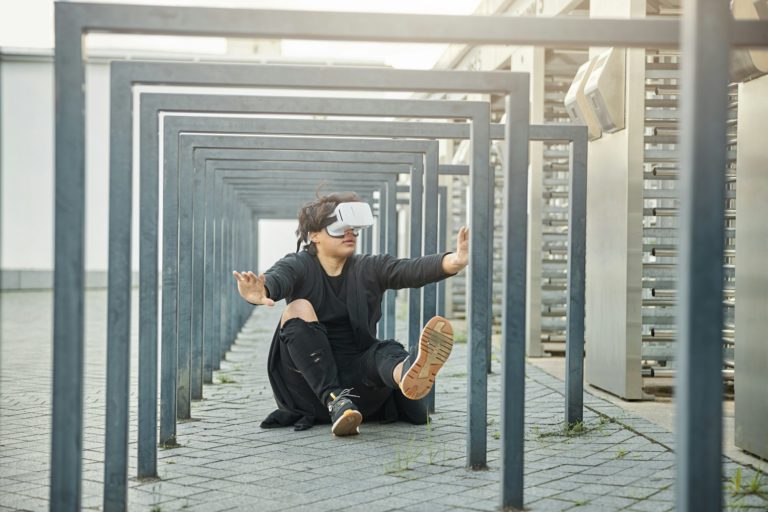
(751, 277)
(614, 233)
(27, 171)
(531, 60)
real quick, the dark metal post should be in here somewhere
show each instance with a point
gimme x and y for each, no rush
(392, 239)
(198, 360)
(415, 248)
(148, 300)
(168, 337)
(229, 247)
(429, 291)
(699, 382)
(221, 276)
(183, 313)
(118, 308)
(513, 301)
(442, 245)
(479, 299)
(69, 255)
(577, 237)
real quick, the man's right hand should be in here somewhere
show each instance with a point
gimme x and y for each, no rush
(252, 289)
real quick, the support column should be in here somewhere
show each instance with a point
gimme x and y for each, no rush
(751, 284)
(531, 60)
(615, 232)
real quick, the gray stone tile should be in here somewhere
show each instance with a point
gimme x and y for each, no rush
(615, 502)
(550, 505)
(651, 506)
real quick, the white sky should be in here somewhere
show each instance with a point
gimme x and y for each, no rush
(29, 24)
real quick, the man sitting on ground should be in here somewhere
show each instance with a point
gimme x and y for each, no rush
(325, 362)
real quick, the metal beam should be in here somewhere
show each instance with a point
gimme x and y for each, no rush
(390, 27)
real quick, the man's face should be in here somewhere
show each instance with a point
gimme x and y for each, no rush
(334, 247)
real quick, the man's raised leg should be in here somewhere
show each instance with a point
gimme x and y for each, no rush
(416, 375)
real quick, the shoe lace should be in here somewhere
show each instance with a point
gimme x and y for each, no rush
(346, 393)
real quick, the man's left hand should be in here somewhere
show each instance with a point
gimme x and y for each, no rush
(454, 263)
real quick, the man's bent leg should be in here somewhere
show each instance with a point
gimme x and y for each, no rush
(311, 355)
(300, 308)
(310, 351)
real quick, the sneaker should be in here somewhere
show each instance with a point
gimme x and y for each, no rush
(345, 417)
(435, 344)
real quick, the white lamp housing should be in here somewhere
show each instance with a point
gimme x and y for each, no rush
(576, 102)
(605, 90)
(749, 64)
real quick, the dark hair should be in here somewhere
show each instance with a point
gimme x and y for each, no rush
(313, 216)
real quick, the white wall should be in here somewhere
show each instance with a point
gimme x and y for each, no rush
(751, 278)
(27, 166)
(613, 324)
(276, 239)
(27, 192)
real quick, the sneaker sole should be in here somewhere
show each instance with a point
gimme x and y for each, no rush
(435, 344)
(347, 424)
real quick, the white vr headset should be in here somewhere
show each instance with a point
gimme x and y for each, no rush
(354, 216)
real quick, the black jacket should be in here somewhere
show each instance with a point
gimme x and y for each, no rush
(300, 276)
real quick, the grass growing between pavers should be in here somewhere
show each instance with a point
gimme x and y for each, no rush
(576, 429)
(170, 444)
(405, 457)
(226, 379)
(747, 493)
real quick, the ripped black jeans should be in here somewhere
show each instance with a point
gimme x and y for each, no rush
(306, 351)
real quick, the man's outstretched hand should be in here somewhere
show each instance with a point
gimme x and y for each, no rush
(252, 289)
(454, 263)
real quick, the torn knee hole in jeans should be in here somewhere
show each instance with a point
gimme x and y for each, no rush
(316, 356)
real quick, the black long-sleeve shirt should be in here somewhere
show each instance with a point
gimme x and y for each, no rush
(301, 276)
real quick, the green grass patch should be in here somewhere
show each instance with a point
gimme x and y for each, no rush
(404, 457)
(170, 444)
(566, 430)
(755, 486)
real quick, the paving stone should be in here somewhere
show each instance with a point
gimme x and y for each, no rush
(551, 505)
(615, 502)
(651, 506)
(483, 505)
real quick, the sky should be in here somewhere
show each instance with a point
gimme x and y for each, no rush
(29, 24)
